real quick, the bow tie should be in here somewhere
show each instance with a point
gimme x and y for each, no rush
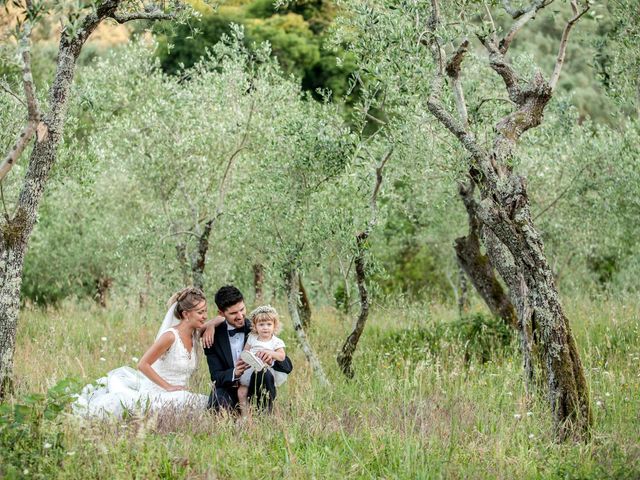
(233, 331)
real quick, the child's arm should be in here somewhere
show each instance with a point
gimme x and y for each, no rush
(279, 354)
(269, 356)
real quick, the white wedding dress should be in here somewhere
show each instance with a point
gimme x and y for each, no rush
(127, 390)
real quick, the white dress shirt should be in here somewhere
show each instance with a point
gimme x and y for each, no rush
(236, 342)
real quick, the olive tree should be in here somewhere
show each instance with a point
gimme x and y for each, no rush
(46, 125)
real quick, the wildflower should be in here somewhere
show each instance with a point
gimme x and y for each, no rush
(71, 454)
(25, 471)
(102, 359)
(531, 436)
(599, 403)
(510, 393)
(607, 394)
(134, 359)
(517, 416)
(104, 339)
(529, 414)
(47, 445)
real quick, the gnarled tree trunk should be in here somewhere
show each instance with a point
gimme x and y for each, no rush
(478, 267)
(504, 211)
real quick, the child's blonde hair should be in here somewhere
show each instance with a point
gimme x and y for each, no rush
(264, 313)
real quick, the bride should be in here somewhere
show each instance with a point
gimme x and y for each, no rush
(163, 371)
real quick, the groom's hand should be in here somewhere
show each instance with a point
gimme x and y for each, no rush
(239, 369)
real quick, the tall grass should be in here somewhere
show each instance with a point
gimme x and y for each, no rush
(423, 404)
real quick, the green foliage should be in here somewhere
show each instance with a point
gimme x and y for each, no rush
(31, 444)
(477, 337)
(296, 33)
(401, 416)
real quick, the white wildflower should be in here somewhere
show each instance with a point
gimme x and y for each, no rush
(104, 339)
(599, 403)
(517, 416)
(47, 445)
(102, 359)
(531, 436)
(134, 359)
(71, 454)
(529, 414)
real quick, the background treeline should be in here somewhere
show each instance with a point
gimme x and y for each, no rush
(188, 159)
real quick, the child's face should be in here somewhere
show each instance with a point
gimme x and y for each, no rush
(265, 328)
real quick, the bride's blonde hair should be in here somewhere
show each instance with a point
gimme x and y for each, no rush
(186, 299)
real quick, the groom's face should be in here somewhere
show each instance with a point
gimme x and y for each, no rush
(234, 315)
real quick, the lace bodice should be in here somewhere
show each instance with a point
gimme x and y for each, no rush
(176, 364)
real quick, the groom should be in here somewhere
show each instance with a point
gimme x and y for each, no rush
(223, 358)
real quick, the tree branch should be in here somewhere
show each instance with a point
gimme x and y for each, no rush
(518, 12)
(520, 22)
(434, 103)
(453, 71)
(560, 195)
(563, 42)
(33, 109)
(241, 146)
(500, 65)
(376, 189)
(7, 89)
(152, 16)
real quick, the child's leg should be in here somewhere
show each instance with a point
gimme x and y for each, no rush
(243, 391)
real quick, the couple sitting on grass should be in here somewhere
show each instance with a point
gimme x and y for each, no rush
(246, 360)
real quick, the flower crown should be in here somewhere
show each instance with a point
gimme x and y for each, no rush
(262, 309)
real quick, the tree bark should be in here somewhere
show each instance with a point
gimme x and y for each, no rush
(11, 263)
(258, 282)
(181, 256)
(305, 305)
(345, 357)
(292, 283)
(200, 256)
(478, 267)
(463, 298)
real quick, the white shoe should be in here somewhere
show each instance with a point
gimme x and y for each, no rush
(253, 361)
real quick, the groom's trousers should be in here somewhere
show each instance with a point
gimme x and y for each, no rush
(262, 391)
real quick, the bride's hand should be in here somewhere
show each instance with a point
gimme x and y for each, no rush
(175, 388)
(210, 330)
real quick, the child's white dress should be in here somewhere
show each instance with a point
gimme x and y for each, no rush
(255, 345)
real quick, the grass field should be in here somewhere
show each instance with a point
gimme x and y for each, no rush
(428, 401)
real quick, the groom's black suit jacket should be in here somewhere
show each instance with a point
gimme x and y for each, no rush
(220, 359)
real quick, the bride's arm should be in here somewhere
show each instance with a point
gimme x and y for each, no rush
(154, 353)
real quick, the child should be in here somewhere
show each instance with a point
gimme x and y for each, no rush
(264, 324)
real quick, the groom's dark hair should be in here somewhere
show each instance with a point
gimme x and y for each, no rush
(228, 296)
